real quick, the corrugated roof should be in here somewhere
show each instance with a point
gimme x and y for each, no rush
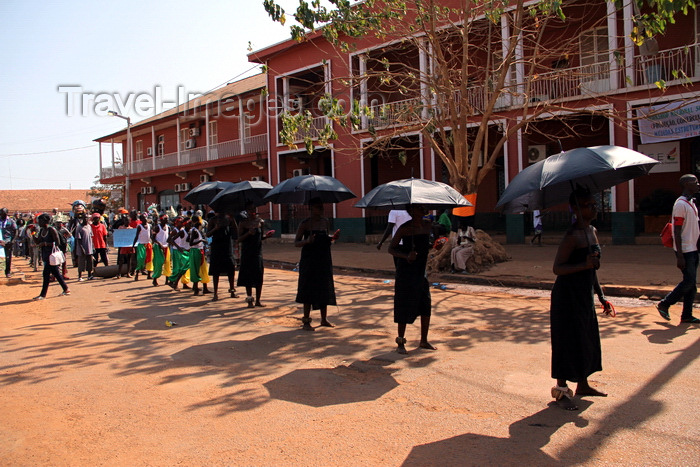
(232, 89)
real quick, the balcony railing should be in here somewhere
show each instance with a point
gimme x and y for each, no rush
(220, 151)
(313, 132)
(110, 172)
(394, 113)
(667, 65)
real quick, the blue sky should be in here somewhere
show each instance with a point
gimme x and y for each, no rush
(107, 49)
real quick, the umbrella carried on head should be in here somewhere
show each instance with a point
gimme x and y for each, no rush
(205, 192)
(235, 197)
(302, 189)
(551, 181)
(399, 194)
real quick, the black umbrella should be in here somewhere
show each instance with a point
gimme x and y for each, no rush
(302, 189)
(236, 196)
(551, 181)
(401, 193)
(205, 192)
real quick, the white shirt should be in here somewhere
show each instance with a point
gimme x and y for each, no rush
(685, 211)
(162, 235)
(182, 241)
(144, 234)
(398, 217)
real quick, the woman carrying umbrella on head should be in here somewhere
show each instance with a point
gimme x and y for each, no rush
(410, 246)
(574, 326)
(315, 287)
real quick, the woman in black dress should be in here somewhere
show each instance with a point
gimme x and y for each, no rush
(574, 326)
(222, 231)
(410, 247)
(315, 287)
(46, 239)
(250, 237)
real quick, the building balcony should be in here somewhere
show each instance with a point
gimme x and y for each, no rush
(672, 66)
(313, 131)
(217, 152)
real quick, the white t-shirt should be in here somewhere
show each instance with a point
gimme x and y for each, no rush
(398, 217)
(685, 213)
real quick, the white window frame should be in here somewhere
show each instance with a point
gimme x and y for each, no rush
(161, 145)
(139, 150)
(213, 132)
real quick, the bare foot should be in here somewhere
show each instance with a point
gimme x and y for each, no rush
(427, 345)
(589, 391)
(215, 298)
(259, 304)
(327, 324)
(307, 327)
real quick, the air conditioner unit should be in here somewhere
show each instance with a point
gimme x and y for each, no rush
(536, 153)
(257, 178)
(185, 187)
(177, 187)
(194, 131)
(203, 178)
(190, 144)
(297, 172)
(150, 190)
(149, 151)
(144, 190)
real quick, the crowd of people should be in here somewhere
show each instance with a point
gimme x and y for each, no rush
(176, 247)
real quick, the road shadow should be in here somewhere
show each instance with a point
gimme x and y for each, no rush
(360, 381)
(524, 445)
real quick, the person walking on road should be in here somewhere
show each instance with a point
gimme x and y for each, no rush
(686, 238)
(222, 231)
(46, 239)
(575, 337)
(251, 233)
(8, 232)
(410, 246)
(315, 288)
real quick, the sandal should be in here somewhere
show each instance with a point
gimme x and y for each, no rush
(307, 324)
(565, 397)
(401, 349)
(663, 312)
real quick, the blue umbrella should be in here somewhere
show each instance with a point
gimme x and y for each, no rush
(550, 182)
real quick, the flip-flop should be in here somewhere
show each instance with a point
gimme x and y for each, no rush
(664, 313)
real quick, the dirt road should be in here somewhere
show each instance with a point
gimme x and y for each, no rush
(97, 378)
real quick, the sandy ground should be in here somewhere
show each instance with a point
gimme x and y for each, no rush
(97, 378)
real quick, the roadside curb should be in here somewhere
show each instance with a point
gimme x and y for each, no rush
(612, 290)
